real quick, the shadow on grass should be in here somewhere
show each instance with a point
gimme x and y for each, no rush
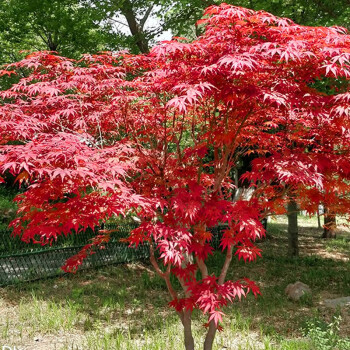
(130, 296)
(325, 271)
(134, 299)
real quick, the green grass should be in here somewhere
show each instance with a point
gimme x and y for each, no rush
(125, 306)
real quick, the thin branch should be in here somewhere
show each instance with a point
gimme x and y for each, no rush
(202, 267)
(145, 17)
(119, 22)
(154, 261)
(222, 170)
(226, 265)
(166, 277)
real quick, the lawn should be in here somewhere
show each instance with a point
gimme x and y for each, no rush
(125, 306)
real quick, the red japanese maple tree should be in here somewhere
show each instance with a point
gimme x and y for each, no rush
(159, 134)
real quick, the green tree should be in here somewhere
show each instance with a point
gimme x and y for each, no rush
(183, 13)
(130, 16)
(71, 27)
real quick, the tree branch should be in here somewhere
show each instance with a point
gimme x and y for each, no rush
(145, 17)
(226, 265)
(202, 267)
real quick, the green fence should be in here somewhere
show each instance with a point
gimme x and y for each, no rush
(20, 261)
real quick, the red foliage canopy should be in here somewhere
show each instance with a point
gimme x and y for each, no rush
(159, 134)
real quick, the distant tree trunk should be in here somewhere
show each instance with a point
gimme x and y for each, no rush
(236, 177)
(293, 243)
(318, 217)
(136, 27)
(330, 224)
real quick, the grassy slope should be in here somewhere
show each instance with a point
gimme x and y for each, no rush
(124, 307)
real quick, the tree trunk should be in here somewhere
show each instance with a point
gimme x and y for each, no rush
(135, 27)
(209, 339)
(318, 217)
(187, 324)
(293, 243)
(330, 224)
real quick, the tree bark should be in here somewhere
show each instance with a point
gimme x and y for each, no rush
(330, 224)
(318, 217)
(187, 324)
(185, 315)
(209, 339)
(136, 28)
(293, 239)
(52, 45)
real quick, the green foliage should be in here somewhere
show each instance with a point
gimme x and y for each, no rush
(131, 16)
(7, 206)
(340, 244)
(73, 27)
(308, 12)
(69, 27)
(306, 300)
(325, 336)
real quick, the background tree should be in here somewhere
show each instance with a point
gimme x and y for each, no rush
(71, 27)
(293, 232)
(75, 27)
(182, 15)
(132, 16)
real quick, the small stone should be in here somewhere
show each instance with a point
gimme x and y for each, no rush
(297, 290)
(338, 302)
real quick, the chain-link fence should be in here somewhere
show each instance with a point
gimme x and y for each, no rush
(20, 261)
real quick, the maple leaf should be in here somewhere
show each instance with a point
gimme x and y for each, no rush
(248, 253)
(216, 316)
(75, 261)
(177, 304)
(239, 62)
(7, 72)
